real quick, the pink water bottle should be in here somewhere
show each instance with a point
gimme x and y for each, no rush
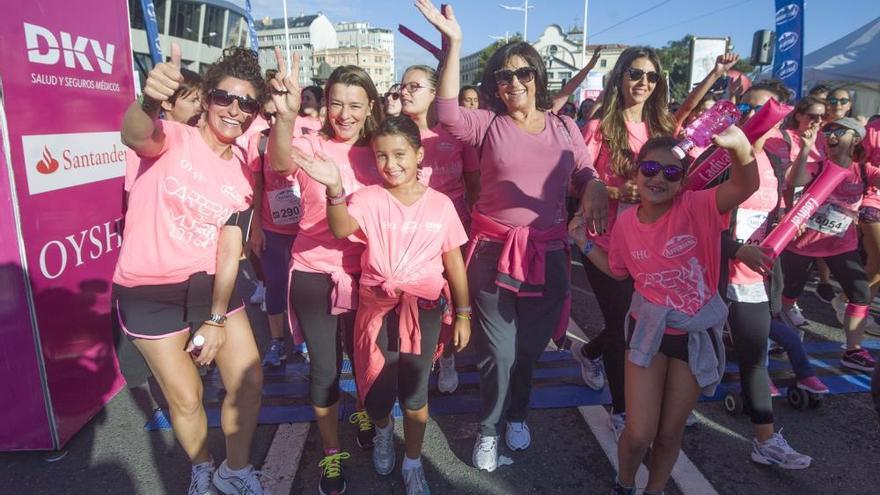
(713, 121)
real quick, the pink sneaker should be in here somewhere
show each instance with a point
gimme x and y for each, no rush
(774, 391)
(812, 384)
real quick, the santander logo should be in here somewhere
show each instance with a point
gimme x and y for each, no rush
(679, 245)
(48, 164)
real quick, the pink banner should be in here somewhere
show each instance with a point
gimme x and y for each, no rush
(715, 164)
(812, 198)
(67, 79)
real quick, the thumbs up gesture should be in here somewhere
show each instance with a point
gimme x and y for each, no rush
(165, 78)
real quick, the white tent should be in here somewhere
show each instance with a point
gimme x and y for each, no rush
(853, 61)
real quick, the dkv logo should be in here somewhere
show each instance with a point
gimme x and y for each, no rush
(787, 41)
(43, 48)
(787, 69)
(787, 13)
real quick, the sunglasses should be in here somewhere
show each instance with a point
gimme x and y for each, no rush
(392, 95)
(837, 101)
(837, 132)
(224, 99)
(672, 173)
(412, 87)
(745, 108)
(504, 77)
(637, 75)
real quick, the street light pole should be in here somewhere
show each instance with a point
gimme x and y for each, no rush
(584, 39)
(524, 8)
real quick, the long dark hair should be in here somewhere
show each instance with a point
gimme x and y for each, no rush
(489, 86)
(352, 75)
(655, 112)
(240, 63)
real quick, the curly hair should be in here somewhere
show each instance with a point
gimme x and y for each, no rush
(241, 63)
(489, 86)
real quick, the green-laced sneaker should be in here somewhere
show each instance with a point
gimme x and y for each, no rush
(332, 480)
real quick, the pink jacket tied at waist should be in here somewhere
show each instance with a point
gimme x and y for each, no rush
(343, 297)
(523, 257)
(376, 302)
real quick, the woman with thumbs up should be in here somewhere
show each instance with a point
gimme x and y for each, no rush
(173, 283)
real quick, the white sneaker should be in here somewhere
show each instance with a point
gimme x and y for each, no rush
(485, 455)
(616, 422)
(518, 436)
(793, 317)
(839, 306)
(777, 452)
(592, 370)
(447, 380)
(200, 483)
(415, 482)
(259, 294)
(244, 482)
(384, 457)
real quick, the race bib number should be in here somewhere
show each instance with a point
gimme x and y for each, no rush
(830, 220)
(751, 226)
(285, 205)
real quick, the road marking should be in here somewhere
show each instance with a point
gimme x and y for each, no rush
(582, 291)
(283, 457)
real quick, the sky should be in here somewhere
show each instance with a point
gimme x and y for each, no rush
(609, 21)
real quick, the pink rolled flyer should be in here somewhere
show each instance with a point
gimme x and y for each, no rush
(422, 42)
(812, 198)
(770, 114)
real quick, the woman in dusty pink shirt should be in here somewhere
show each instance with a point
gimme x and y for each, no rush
(519, 264)
(324, 270)
(178, 263)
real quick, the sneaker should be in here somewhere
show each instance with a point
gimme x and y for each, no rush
(857, 359)
(871, 327)
(616, 422)
(277, 352)
(777, 452)
(259, 295)
(383, 449)
(518, 436)
(812, 384)
(619, 489)
(485, 456)
(774, 390)
(447, 381)
(691, 420)
(825, 292)
(414, 479)
(200, 483)
(793, 317)
(839, 305)
(243, 482)
(592, 370)
(332, 480)
(366, 429)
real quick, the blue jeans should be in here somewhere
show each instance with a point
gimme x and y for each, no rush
(790, 340)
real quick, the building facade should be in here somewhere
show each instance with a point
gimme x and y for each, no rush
(308, 34)
(376, 62)
(354, 34)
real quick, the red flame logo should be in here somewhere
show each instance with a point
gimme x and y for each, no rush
(48, 164)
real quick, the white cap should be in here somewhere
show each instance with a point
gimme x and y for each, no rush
(199, 340)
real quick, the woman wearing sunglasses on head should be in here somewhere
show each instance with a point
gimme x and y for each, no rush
(633, 110)
(519, 263)
(393, 105)
(165, 292)
(324, 270)
(670, 246)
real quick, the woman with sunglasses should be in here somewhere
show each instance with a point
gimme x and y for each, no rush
(166, 296)
(839, 105)
(324, 270)
(393, 105)
(518, 269)
(633, 110)
(830, 234)
(449, 166)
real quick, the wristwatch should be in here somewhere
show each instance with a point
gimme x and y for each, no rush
(217, 319)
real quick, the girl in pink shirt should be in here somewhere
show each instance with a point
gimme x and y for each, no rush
(412, 235)
(324, 270)
(670, 246)
(165, 294)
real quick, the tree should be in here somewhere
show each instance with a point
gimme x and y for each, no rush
(486, 53)
(675, 59)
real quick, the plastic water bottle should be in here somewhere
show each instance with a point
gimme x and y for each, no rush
(713, 121)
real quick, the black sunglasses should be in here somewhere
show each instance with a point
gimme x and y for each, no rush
(523, 74)
(837, 132)
(837, 101)
(637, 75)
(393, 95)
(672, 173)
(224, 99)
(745, 108)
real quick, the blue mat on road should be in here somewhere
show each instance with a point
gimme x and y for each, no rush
(557, 384)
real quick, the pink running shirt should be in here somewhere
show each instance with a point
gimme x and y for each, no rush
(871, 143)
(304, 126)
(281, 206)
(176, 208)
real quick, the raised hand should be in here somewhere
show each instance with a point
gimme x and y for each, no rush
(285, 92)
(165, 77)
(732, 139)
(725, 62)
(596, 53)
(757, 258)
(321, 168)
(445, 22)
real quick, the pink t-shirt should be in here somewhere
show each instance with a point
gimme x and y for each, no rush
(315, 248)
(306, 125)
(257, 126)
(281, 206)
(675, 261)
(446, 161)
(831, 230)
(871, 143)
(524, 177)
(176, 208)
(638, 136)
(404, 244)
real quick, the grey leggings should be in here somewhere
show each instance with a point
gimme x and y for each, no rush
(511, 333)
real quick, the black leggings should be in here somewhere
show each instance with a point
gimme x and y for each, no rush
(847, 268)
(614, 297)
(750, 329)
(404, 376)
(324, 334)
